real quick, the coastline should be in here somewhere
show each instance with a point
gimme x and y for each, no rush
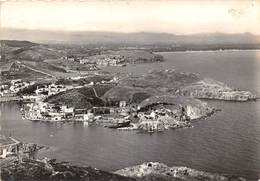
(48, 169)
(188, 165)
(160, 171)
(221, 100)
(209, 50)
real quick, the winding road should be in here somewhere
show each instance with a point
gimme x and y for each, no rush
(36, 70)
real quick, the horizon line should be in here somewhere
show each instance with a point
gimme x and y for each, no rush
(122, 32)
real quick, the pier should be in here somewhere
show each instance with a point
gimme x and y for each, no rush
(9, 99)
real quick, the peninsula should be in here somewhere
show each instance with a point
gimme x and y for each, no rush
(65, 84)
(69, 84)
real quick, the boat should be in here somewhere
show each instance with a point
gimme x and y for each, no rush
(120, 125)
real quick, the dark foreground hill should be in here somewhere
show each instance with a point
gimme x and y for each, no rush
(159, 171)
(31, 170)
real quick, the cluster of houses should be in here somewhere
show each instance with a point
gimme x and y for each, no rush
(44, 91)
(162, 118)
(51, 89)
(8, 146)
(40, 110)
(12, 148)
(44, 111)
(100, 60)
(117, 115)
(13, 87)
(159, 118)
(37, 109)
(121, 115)
(107, 60)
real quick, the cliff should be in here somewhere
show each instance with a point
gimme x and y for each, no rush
(194, 108)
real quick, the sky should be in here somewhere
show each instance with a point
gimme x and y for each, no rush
(179, 17)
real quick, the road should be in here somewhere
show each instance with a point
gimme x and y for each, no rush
(7, 99)
(36, 70)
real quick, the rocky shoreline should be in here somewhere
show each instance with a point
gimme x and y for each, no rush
(156, 101)
(215, 90)
(160, 171)
(50, 170)
(30, 168)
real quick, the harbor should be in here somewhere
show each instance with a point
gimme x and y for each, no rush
(172, 147)
(130, 90)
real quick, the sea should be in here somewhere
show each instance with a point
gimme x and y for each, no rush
(227, 142)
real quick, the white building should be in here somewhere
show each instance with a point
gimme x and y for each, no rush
(8, 147)
(67, 109)
(122, 104)
(88, 116)
(55, 89)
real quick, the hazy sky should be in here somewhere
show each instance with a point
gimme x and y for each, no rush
(181, 17)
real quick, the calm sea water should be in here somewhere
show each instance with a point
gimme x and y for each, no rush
(228, 142)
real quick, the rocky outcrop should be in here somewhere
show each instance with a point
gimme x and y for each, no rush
(163, 112)
(199, 111)
(163, 172)
(212, 89)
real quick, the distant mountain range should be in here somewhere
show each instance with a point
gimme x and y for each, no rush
(141, 38)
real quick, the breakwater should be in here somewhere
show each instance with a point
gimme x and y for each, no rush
(10, 99)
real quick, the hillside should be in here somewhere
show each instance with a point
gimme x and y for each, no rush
(84, 97)
(26, 50)
(38, 53)
(16, 43)
(186, 84)
(165, 80)
(130, 94)
(31, 170)
(18, 70)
